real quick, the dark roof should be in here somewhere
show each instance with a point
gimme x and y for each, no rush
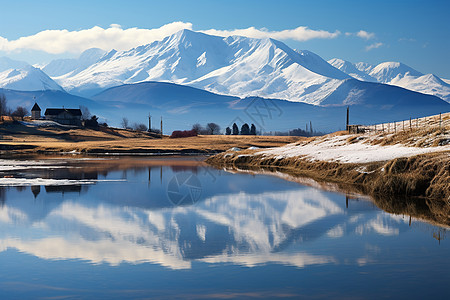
(36, 107)
(57, 111)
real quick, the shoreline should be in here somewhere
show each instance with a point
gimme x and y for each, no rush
(435, 212)
(423, 175)
(388, 167)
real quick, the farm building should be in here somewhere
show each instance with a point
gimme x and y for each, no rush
(66, 116)
(36, 112)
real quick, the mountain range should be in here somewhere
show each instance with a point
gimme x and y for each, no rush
(191, 72)
(398, 74)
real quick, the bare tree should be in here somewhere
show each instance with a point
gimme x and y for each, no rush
(197, 128)
(20, 112)
(140, 127)
(3, 106)
(124, 123)
(213, 128)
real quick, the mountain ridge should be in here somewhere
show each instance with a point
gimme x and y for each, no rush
(397, 74)
(236, 66)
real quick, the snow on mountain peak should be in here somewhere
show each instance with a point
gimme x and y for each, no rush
(233, 65)
(387, 71)
(27, 78)
(60, 67)
(350, 69)
(398, 74)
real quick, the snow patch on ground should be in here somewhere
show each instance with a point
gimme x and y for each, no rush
(14, 165)
(337, 149)
(47, 182)
(43, 123)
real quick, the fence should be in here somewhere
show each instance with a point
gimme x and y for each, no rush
(437, 121)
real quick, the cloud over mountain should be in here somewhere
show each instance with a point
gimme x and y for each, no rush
(116, 37)
(301, 33)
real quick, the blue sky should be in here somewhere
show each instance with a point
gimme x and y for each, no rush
(414, 32)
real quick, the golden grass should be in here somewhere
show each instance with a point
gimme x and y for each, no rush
(21, 138)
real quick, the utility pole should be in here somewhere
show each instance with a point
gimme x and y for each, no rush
(149, 122)
(347, 117)
(161, 127)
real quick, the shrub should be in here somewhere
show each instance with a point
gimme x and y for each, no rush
(182, 134)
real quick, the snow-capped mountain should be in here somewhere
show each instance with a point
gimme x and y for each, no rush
(352, 70)
(60, 67)
(398, 74)
(387, 71)
(27, 78)
(234, 65)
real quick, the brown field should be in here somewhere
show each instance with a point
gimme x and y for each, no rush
(17, 138)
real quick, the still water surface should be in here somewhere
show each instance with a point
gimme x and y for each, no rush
(175, 228)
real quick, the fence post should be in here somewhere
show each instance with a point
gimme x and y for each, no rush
(395, 126)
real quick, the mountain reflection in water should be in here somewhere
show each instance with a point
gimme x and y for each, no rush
(114, 212)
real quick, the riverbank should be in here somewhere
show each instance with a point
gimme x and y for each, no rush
(26, 138)
(404, 163)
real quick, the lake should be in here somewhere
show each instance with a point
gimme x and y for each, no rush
(159, 227)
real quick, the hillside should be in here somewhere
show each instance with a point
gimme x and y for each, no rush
(182, 106)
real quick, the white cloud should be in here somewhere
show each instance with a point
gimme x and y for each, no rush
(362, 34)
(365, 35)
(301, 33)
(115, 37)
(374, 46)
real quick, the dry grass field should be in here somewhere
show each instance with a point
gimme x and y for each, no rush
(22, 138)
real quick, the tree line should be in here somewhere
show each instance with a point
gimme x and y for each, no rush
(245, 130)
